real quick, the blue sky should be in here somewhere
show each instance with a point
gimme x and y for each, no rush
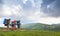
(30, 11)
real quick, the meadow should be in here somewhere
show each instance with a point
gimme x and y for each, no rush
(29, 33)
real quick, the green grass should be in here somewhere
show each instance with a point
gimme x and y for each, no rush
(29, 33)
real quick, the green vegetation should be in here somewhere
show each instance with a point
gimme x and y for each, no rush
(41, 26)
(34, 29)
(29, 33)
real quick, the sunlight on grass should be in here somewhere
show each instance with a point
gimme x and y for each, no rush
(29, 33)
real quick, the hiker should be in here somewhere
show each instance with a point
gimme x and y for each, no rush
(6, 23)
(14, 25)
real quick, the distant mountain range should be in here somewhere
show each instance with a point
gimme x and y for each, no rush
(35, 26)
(42, 26)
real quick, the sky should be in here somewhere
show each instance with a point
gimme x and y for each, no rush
(31, 11)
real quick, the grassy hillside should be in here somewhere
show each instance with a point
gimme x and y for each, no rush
(29, 33)
(35, 26)
(40, 26)
(28, 25)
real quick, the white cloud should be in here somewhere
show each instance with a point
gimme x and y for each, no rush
(6, 10)
(24, 1)
(38, 17)
(0, 19)
(33, 15)
(33, 4)
(14, 10)
(1, 22)
(49, 20)
(46, 20)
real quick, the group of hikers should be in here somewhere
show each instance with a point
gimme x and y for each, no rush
(13, 24)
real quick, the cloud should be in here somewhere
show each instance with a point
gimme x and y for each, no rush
(24, 1)
(1, 1)
(12, 2)
(6, 11)
(27, 5)
(30, 11)
(11, 11)
(51, 7)
(49, 20)
(1, 21)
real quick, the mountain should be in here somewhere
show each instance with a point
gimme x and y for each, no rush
(41, 26)
(35, 26)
